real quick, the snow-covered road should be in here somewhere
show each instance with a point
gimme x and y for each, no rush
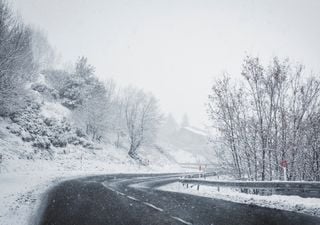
(131, 199)
(22, 186)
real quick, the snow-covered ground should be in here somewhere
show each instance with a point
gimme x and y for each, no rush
(310, 206)
(27, 172)
(21, 192)
(24, 179)
(21, 188)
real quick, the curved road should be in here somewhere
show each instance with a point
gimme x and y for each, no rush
(131, 199)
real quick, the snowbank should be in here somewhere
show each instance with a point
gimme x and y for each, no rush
(310, 206)
(20, 194)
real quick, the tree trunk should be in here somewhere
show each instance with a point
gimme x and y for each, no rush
(270, 164)
(132, 151)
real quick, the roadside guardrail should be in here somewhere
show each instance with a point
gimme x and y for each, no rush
(299, 188)
(256, 184)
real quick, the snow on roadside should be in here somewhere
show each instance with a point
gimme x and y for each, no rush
(26, 172)
(310, 206)
(22, 186)
(19, 194)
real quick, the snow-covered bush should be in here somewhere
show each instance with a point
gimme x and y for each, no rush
(41, 142)
(26, 136)
(44, 132)
(45, 91)
(71, 94)
(59, 141)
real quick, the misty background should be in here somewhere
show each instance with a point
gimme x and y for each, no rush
(176, 48)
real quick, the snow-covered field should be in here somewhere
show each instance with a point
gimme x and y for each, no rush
(310, 206)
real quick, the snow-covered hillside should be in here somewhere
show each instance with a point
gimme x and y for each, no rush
(40, 146)
(27, 170)
(185, 144)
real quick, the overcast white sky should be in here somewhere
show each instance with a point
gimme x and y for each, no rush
(175, 48)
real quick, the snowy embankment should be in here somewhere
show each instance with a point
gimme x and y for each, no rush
(21, 189)
(20, 194)
(23, 179)
(310, 206)
(27, 171)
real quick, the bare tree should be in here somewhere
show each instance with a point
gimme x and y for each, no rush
(269, 118)
(119, 122)
(221, 110)
(95, 114)
(142, 116)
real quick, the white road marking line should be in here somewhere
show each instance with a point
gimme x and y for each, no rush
(120, 193)
(111, 189)
(181, 220)
(153, 206)
(132, 198)
(148, 204)
(106, 186)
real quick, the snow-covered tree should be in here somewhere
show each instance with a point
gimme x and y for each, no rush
(94, 100)
(84, 69)
(119, 122)
(268, 117)
(142, 116)
(16, 60)
(43, 53)
(93, 115)
(74, 87)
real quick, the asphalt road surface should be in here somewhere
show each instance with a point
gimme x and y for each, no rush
(131, 199)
